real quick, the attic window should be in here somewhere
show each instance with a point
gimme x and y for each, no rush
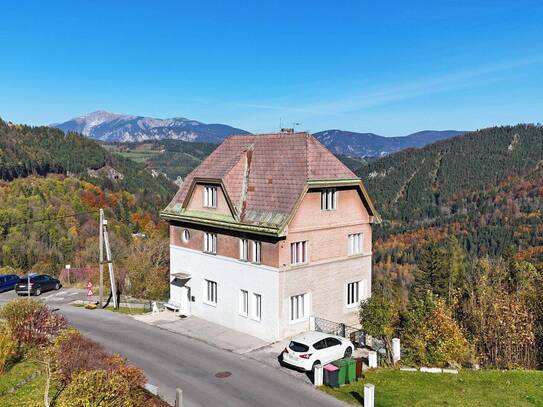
(210, 197)
(328, 199)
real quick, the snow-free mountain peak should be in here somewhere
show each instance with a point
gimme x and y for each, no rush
(111, 127)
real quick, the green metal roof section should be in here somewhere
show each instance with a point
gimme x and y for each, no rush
(220, 221)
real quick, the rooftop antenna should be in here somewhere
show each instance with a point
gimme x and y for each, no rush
(280, 123)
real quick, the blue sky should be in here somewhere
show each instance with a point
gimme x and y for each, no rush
(391, 68)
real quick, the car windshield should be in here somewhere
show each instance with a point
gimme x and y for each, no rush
(298, 347)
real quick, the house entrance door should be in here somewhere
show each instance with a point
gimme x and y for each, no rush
(185, 300)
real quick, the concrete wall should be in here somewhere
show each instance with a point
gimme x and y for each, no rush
(231, 276)
(326, 283)
(330, 267)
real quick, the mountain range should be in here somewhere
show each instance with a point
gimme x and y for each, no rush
(373, 145)
(485, 187)
(115, 127)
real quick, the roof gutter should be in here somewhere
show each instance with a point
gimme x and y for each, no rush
(262, 230)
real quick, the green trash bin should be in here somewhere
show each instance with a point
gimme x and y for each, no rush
(342, 365)
(351, 370)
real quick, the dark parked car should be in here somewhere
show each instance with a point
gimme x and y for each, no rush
(38, 284)
(8, 281)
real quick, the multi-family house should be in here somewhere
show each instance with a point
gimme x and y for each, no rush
(267, 231)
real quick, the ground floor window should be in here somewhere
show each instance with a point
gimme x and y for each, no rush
(299, 307)
(243, 303)
(211, 292)
(257, 307)
(354, 293)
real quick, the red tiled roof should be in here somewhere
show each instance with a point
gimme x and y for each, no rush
(279, 168)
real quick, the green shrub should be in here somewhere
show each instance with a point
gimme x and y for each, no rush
(98, 388)
(379, 318)
(431, 336)
(8, 348)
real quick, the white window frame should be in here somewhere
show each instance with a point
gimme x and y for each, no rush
(299, 252)
(210, 243)
(210, 196)
(256, 307)
(244, 303)
(243, 249)
(355, 243)
(299, 307)
(210, 290)
(329, 199)
(352, 293)
(256, 252)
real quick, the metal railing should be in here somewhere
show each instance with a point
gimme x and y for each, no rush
(354, 334)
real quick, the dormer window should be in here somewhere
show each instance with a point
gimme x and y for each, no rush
(328, 199)
(210, 196)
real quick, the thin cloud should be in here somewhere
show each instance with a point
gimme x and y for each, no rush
(399, 92)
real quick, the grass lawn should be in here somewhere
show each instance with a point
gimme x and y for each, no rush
(468, 388)
(120, 310)
(30, 394)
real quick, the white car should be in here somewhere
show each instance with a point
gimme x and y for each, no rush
(313, 348)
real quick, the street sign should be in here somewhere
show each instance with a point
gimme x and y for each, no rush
(90, 293)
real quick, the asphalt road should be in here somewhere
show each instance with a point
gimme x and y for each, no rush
(173, 361)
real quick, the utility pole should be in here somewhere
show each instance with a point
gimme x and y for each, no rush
(101, 258)
(110, 266)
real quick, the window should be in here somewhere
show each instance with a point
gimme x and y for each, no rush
(298, 347)
(211, 292)
(210, 243)
(299, 307)
(353, 294)
(320, 344)
(243, 303)
(186, 235)
(332, 342)
(355, 244)
(257, 307)
(256, 252)
(243, 249)
(298, 252)
(210, 197)
(328, 199)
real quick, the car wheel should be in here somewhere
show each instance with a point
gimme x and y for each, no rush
(348, 352)
(57, 286)
(38, 292)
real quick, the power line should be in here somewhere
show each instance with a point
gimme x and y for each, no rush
(52, 218)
